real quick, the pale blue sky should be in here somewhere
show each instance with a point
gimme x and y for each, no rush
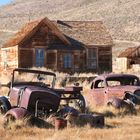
(2, 2)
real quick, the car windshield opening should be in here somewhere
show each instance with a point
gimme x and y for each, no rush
(28, 77)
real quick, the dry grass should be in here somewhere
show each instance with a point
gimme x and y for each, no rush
(120, 124)
(116, 128)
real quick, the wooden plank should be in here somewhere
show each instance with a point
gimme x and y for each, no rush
(9, 59)
(26, 58)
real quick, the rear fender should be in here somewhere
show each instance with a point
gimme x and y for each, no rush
(17, 113)
(115, 102)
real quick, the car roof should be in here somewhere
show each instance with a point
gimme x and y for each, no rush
(106, 76)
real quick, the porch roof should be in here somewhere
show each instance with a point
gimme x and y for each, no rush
(128, 52)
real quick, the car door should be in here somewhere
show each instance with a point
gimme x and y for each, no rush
(98, 92)
(115, 90)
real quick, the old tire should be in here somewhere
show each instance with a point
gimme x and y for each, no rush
(9, 119)
(129, 106)
(4, 105)
(15, 114)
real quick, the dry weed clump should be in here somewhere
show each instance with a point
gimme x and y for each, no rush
(118, 127)
(119, 124)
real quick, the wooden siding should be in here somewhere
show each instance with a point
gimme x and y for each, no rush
(104, 59)
(9, 59)
(51, 60)
(78, 61)
(42, 39)
(26, 58)
(100, 60)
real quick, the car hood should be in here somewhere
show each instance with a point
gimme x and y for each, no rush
(32, 89)
(30, 94)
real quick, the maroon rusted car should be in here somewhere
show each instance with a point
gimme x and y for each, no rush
(32, 92)
(114, 89)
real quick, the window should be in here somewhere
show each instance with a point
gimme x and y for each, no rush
(122, 81)
(113, 83)
(39, 53)
(99, 84)
(26, 58)
(92, 58)
(67, 61)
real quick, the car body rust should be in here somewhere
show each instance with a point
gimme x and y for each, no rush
(108, 87)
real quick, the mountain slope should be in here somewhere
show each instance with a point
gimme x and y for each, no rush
(122, 17)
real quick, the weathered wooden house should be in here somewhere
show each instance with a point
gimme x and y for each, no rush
(68, 46)
(128, 59)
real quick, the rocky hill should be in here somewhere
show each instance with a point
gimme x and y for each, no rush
(122, 17)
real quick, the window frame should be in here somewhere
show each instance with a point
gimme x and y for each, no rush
(67, 60)
(92, 60)
(97, 82)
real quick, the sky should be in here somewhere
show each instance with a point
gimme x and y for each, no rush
(2, 2)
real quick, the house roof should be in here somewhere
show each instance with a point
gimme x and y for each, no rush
(128, 52)
(19, 36)
(87, 32)
(72, 33)
(32, 27)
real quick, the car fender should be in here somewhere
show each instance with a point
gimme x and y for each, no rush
(17, 113)
(115, 102)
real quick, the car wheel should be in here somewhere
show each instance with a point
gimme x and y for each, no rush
(115, 102)
(15, 114)
(128, 105)
(9, 118)
(4, 105)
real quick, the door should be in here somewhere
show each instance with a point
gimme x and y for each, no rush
(98, 92)
(115, 89)
(39, 57)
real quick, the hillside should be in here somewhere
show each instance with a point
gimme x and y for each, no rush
(120, 16)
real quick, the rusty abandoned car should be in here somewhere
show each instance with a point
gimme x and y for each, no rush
(116, 90)
(32, 92)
